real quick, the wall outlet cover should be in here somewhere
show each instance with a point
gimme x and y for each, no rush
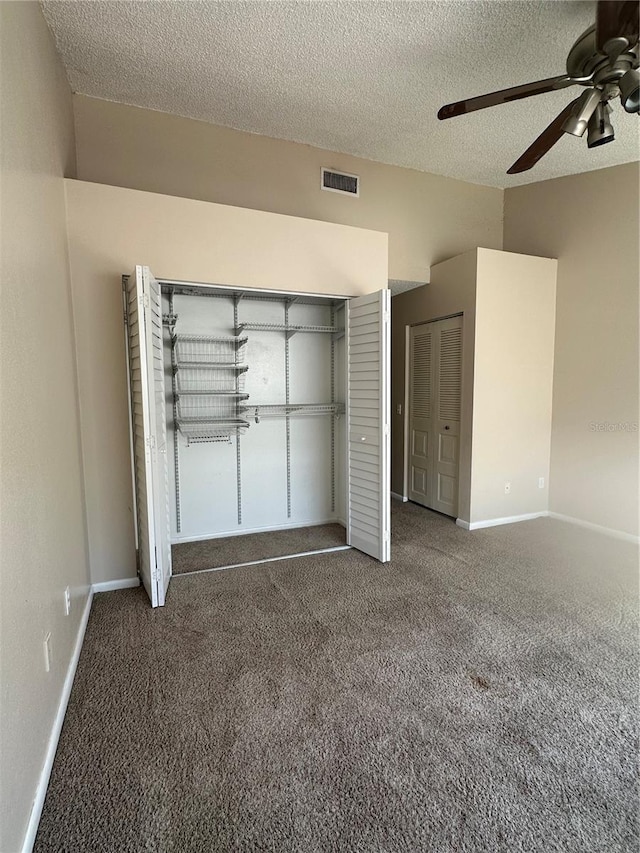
(541, 482)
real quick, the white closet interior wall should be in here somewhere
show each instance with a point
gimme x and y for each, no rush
(208, 472)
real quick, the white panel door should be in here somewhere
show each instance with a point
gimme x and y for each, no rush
(421, 388)
(368, 410)
(435, 393)
(146, 366)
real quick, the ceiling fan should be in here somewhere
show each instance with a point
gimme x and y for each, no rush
(604, 60)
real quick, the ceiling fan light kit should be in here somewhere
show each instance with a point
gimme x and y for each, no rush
(578, 121)
(600, 128)
(605, 59)
(630, 90)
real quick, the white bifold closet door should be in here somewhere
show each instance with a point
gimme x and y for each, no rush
(368, 424)
(146, 368)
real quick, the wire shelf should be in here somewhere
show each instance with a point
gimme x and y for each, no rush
(209, 406)
(204, 349)
(283, 410)
(201, 430)
(283, 327)
(194, 378)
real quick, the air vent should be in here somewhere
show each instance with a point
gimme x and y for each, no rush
(339, 182)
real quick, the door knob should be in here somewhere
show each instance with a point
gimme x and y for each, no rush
(447, 426)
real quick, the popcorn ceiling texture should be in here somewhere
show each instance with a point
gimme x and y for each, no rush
(362, 78)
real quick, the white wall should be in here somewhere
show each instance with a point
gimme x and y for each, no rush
(110, 230)
(42, 520)
(591, 223)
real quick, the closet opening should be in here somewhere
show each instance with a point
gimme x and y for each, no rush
(259, 425)
(255, 387)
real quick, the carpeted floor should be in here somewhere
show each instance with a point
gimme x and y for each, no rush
(212, 553)
(478, 693)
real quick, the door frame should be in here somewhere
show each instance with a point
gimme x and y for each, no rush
(406, 419)
(202, 287)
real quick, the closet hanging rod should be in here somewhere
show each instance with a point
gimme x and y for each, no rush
(283, 327)
(199, 393)
(284, 409)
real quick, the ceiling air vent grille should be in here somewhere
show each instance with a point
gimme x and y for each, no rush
(339, 182)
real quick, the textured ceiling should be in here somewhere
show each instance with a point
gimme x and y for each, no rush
(364, 78)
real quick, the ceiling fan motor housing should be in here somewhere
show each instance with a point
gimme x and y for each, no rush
(590, 67)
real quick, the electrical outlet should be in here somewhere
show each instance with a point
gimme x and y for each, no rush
(47, 652)
(507, 488)
(541, 482)
(67, 601)
(399, 409)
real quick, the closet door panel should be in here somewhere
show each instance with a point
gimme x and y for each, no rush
(140, 415)
(368, 408)
(446, 433)
(421, 395)
(146, 369)
(157, 396)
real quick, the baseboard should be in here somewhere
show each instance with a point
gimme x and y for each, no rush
(177, 540)
(122, 583)
(598, 528)
(43, 782)
(496, 522)
(398, 497)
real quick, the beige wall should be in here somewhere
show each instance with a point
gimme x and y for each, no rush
(110, 230)
(508, 307)
(42, 527)
(590, 223)
(428, 218)
(514, 350)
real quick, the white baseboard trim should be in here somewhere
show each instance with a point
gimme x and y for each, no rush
(122, 583)
(43, 782)
(398, 497)
(598, 528)
(496, 522)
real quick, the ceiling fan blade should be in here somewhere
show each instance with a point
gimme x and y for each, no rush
(543, 143)
(504, 96)
(617, 19)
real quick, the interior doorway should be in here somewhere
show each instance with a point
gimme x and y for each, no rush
(433, 413)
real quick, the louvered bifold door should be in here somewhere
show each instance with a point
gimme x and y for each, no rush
(144, 326)
(448, 396)
(155, 351)
(368, 411)
(421, 388)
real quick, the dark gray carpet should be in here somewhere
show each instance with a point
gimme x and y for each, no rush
(212, 553)
(477, 694)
